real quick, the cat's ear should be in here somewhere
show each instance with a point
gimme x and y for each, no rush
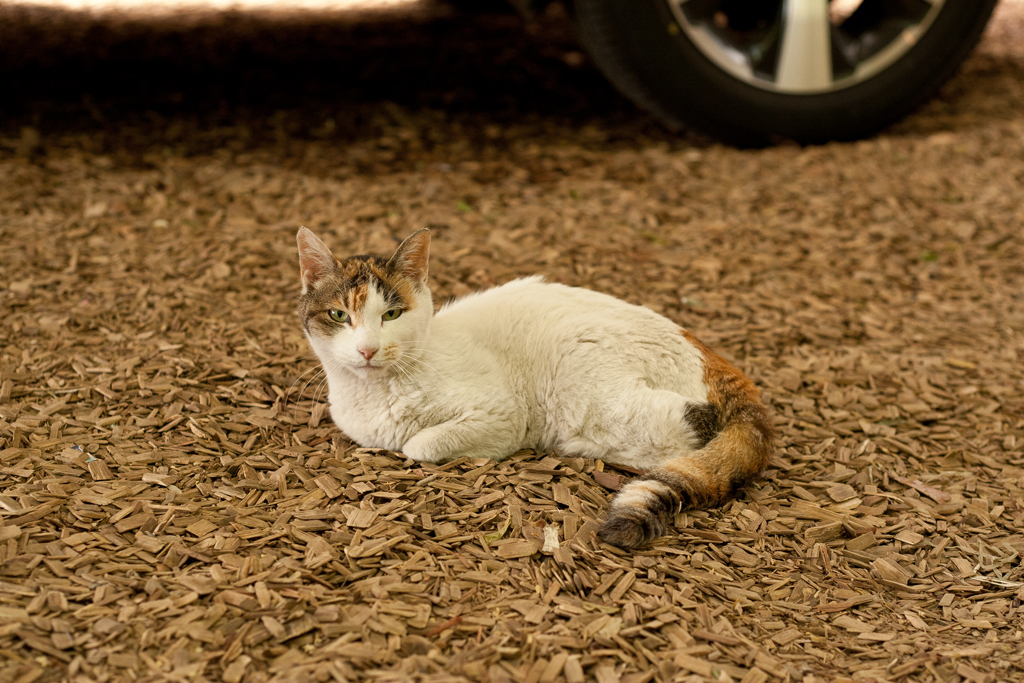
(315, 259)
(411, 257)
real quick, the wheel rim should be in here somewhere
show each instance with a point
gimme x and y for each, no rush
(804, 47)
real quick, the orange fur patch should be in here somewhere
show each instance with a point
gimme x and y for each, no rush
(727, 386)
(355, 303)
(743, 445)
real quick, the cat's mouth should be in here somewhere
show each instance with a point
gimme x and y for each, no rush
(368, 366)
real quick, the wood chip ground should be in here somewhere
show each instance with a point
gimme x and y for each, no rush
(175, 504)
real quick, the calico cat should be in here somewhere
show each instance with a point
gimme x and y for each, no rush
(530, 364)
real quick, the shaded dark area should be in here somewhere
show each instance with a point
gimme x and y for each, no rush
(433, 79)
(202, 81)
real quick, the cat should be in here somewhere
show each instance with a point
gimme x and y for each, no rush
(530, 364)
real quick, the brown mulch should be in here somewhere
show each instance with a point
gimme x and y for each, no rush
(175, 504)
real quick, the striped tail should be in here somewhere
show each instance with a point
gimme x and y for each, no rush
(735, 437)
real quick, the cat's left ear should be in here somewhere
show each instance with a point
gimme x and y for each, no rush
(412, 255)
(315, 259)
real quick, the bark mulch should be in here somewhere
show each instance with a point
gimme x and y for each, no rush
(176, 505)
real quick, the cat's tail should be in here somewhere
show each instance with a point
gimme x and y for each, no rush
(735, 436)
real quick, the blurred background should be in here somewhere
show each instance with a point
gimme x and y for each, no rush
(134, 77)
(125, 67)
(256, 70)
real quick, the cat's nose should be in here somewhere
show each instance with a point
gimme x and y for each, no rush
(367, 353)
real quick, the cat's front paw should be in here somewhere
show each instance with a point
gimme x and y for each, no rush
(419, 453)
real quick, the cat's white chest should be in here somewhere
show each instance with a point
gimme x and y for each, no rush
(373, 416)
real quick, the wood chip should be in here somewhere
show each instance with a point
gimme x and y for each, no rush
(890, 571)
(852, 624)
(824, 533)
(516, 549)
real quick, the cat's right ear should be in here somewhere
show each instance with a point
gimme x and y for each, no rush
(315, 259)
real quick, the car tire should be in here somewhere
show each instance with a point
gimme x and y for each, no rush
(692, 64)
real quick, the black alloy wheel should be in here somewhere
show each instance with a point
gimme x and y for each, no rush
(809, 70)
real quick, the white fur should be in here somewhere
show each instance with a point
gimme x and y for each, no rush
(634, 496)
(640, 494)
(527, 364)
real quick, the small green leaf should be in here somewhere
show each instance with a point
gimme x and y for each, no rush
(653, 237)
(574, 194)
(929, 255)
(497, 535)
(463, 207)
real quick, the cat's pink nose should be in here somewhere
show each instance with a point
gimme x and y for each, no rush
(367, 353)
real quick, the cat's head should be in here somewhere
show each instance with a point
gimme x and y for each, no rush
(365, 314)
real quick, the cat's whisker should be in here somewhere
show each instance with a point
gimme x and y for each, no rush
(301, 375)
(409, 366)
(329, 364)
(299, 378)
(404, 375)
(424, 349)
(311, 379)
(406, 371)
(431, 367)
(319, 389)
(314, 378)
(287, 392)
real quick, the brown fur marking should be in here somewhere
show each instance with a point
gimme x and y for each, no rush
(703, 421)
(355, 300)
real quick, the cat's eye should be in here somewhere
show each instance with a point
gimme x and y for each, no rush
(392, 314)
(338, 316)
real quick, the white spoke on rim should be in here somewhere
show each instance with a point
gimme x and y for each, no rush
(805, 57)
